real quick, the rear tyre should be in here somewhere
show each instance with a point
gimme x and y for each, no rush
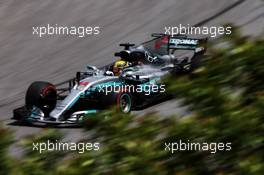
(42, 95)
(124, 102)
(121, 101)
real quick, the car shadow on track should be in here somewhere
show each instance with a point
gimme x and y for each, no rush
(23, 124)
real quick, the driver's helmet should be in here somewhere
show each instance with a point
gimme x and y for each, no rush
(119, 66)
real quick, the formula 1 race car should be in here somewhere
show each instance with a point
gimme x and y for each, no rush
(96, 89)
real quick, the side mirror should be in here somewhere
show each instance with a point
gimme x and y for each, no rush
(91, 68)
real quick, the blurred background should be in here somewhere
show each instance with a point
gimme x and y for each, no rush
(25, 58)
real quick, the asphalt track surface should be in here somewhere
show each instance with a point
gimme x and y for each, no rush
(25, 58)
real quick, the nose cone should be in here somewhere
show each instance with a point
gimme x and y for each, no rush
(66, 104)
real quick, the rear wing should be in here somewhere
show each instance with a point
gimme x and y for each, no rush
(182, 42)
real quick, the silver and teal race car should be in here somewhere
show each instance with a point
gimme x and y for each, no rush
(97, 89)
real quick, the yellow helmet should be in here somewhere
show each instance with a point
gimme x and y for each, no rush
(119, 66)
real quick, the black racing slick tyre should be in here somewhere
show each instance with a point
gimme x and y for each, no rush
(121, 101)
(42, 95)
(124, 102)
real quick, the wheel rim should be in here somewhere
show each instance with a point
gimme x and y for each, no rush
(49, 100)
(125, 103)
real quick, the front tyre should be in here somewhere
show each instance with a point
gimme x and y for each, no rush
(42, 95)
